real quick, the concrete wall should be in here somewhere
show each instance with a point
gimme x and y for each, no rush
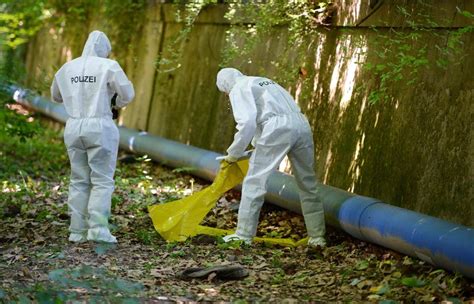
(414, 150)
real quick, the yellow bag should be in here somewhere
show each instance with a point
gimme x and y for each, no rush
(178, 220)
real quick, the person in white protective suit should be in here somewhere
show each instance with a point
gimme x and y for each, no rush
(86, 85)
(266, 113)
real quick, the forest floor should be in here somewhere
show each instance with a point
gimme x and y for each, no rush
(38, 264)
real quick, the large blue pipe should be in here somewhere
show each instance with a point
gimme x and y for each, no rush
(441, 243)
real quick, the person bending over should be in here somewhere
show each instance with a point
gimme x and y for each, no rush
(266, 113)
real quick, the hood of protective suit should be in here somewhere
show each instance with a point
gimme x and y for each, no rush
(97, 45)
(226, 79)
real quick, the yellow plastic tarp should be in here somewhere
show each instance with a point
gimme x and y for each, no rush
(178, 220)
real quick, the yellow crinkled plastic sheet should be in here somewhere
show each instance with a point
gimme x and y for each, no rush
(178, 220)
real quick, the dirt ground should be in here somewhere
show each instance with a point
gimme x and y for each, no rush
(38, 264)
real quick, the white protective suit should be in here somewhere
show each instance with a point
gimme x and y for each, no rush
(86, 85)
(266, 112)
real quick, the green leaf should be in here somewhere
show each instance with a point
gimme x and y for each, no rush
(361, 265)
(50, 296)
(57, 275)
(383, 290)
(80, 284)
(413, 282)
(455, 300)
(24, 300)
(467, 14)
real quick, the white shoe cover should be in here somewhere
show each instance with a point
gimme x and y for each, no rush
(101, 234)
(316, 241)
(235, 237)
(77, 238)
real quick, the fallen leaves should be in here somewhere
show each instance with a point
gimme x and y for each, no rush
(37, 262)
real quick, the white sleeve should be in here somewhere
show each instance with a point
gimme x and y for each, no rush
(119, 82)
(245, 115)
(55, 92)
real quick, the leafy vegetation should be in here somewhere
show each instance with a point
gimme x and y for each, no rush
(186, 13)
(17, 124)
(403, 57)
(400, 56)
(20, 20)
(253, 23)
(250, 23)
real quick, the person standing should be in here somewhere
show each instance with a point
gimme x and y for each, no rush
(266, 113)
(86, 86)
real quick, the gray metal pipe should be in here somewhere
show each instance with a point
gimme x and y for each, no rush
(436, 241)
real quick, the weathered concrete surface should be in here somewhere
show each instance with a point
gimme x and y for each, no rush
(395, 13)
(414, 150)
(142, 69)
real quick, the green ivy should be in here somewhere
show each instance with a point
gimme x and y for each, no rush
(186, 13)
(12, 124)
(124, 19)
(401, 57)
(19, 21)
(251, 23)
